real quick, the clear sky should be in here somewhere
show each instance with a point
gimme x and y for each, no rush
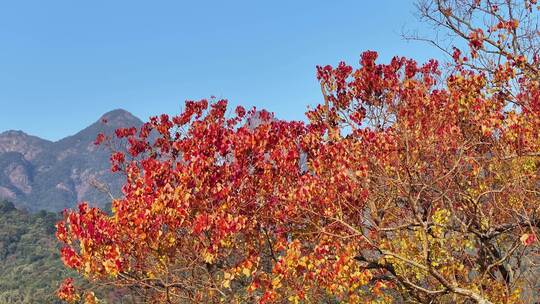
(65, 63)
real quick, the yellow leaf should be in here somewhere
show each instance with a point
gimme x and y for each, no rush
(276, 282)
(208, 257)
(228, 276)
(110, 268)
(294, 299)
(87, 267)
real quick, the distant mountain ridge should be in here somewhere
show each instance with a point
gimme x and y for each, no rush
(37, 174)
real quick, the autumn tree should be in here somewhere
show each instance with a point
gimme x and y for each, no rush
(494, 37)
(405, 185)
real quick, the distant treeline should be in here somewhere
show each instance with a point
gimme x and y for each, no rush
(30, 266)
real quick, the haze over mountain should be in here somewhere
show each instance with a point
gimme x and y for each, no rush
(38, 174)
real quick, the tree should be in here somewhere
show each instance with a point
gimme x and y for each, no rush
(502, 37)
(405, 186)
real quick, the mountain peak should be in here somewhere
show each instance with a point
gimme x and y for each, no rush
(21, 135)
(117, 112)
(119, 116)
(13, 133)
(20, 142)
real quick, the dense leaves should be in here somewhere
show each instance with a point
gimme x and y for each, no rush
(403, 186)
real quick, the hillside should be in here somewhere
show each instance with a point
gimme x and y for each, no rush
(30, 266)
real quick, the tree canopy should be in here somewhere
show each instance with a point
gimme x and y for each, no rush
(409, 183)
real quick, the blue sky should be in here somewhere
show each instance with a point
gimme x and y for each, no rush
(65, 63)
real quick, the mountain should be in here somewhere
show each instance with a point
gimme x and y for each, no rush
(38, 174)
